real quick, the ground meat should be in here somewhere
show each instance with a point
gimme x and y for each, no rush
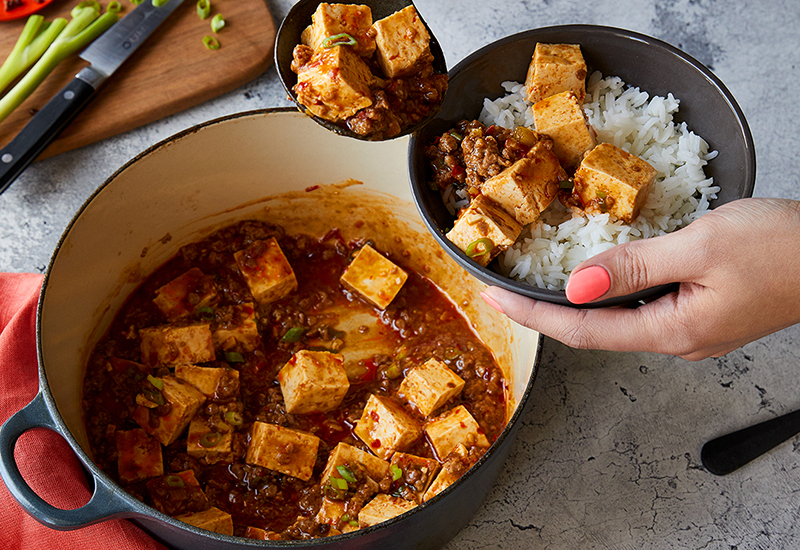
(421, 323)
(301, 55)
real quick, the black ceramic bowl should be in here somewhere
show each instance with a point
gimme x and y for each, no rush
(654, 66)
(299, 17)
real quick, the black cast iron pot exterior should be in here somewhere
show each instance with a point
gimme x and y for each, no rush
(239, 143)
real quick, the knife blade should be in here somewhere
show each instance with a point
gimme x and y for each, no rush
(105, 55)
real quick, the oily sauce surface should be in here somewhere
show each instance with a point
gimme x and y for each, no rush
(420, 323)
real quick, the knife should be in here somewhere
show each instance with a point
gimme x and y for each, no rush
(105, 55)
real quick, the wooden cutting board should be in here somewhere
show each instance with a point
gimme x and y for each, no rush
(171, 71)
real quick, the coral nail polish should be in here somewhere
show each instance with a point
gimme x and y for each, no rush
(491, 302)
(588, 284)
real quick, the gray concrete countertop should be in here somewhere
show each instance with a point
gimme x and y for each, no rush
(608, 455)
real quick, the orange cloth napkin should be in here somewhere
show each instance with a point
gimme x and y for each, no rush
(44, 458)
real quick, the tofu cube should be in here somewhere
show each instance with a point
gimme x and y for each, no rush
(562, 119)
(332, 19)
(347, 455)
(266, 270)
(424, 471)
(383, 507)
(454, 427)
(374, 277)
(178, 493)
(284, 450)
(385, 427)
(313, 381)
(212, 519)
(615, 181)
(260, 534)
(430, 385)
(206, 445)
(334, 84)
(235, 328)
(484, 219)
(205, 379)
(403, 43)
(455, 464)
(331, 511)
(171, 345)
(528, 186)
(138, 456)
(186, 294)
(184, 400)
(556, 68)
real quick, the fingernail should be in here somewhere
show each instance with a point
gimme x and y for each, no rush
(491, 302)
(588, 284)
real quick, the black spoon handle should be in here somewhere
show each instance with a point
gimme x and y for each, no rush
(725, 454)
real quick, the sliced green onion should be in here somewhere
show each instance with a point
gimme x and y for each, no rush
(338, 483)
(35, 38)
(293, 335)
(114, 7)
(479, 247)
(153, 395)
(174, 481)
(211, 43)
(565, 184)
(205, 313)
(345, 518)
(157, 382)
(158, 3)
(353, 522)
(342, 39)
(456, 135)
(93, 4)
(332, 492)
(210, 439)
(397, 473)
(346, 473)
(203, 8)
(136, 2)
(234, 418)
(234, 357)
(86, 25)
(217, 22)
(451, 353)
(394, 371)
(601, 194)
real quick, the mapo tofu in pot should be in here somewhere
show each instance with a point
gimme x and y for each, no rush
(239, 399)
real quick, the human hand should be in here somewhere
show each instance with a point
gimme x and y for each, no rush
(738, 268)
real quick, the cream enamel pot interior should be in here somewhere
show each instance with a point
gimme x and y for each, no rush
(276, 165)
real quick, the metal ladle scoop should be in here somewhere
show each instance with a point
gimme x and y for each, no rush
(299, 17)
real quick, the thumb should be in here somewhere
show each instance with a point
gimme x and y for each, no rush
(635, 266)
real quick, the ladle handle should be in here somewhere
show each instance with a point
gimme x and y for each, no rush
(729, 452)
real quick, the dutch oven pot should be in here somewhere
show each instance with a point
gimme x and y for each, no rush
(181, 190)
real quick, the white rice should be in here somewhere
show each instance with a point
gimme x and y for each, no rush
(550, 248)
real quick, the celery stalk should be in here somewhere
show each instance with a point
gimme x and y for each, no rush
(36, 36)
(84, 27)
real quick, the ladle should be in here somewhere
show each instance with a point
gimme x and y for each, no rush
(730, 452)
(299, 17)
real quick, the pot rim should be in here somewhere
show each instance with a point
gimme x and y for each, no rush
(139, 510)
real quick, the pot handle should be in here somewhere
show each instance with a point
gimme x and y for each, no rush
(105, 502)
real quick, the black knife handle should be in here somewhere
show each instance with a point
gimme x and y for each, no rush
(729, 452)
(42, 129)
